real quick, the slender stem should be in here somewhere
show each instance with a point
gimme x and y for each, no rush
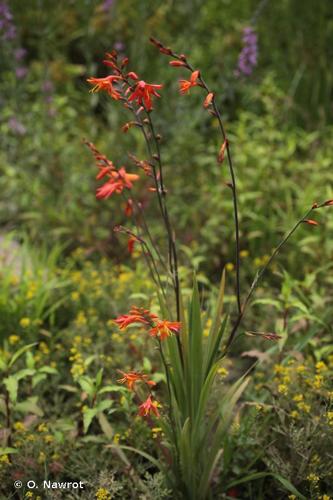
(172, 244)
(234, 192)
(259, 277)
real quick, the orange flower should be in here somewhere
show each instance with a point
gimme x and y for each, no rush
(185, 85)
(148, 407)
(105, 84)
(163, 329)
(118, 181)
(143, 92)
(136, 315)
(131, 377)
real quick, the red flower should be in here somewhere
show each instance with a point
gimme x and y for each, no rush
(131, 243)
(118, 181)
(148, 407)
(163, 329)
(143, 92)
(136, 315)
(105, 84)
(131, 377)
(129, 208)
(185, 85)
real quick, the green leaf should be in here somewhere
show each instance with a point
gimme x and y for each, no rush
(49, 370)
(104, 405)
(19, 353)
(214, 343)
(69, 388)
(99, 378)
(11, 384)
(87, 385)
(29, 360)
(39, 377)
(258, 475)
(148, 457)
(112, 388)
(195, 347)
(8, 451)
(88, 417)
(26, 372)
(29, 406)
(105, 426)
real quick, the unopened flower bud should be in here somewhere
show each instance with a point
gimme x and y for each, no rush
(220, 157)
(311, 222)
(177, 63)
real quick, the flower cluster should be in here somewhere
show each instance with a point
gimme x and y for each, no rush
(118, 179)
(7, 27)
(125, 86)
(161, 329)
(249, 55)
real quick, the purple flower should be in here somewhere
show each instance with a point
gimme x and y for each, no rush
(119, 46)
(7, 27)
(20, 54)
(106, 5)
(248, 57)
(16, 126)
(21, 72)
(47, 86)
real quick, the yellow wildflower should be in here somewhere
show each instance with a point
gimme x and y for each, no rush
(25, 322)
(282, 389)
(116, 438)
(223, 372)
(301, 369)
(321, 366)
(41, 457)
(298, 398)
(75, 296)
(4, 459)
(102, 494)
(229, 266)
(294, 414)
(279, 369)
(13, 339)
(48, 438)
(80, 319)
(244, 253)
(317, 382)
(42, 427)
(304, 407)
(19, 426)
(313, 478)
(329, 416)
(43, 347)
